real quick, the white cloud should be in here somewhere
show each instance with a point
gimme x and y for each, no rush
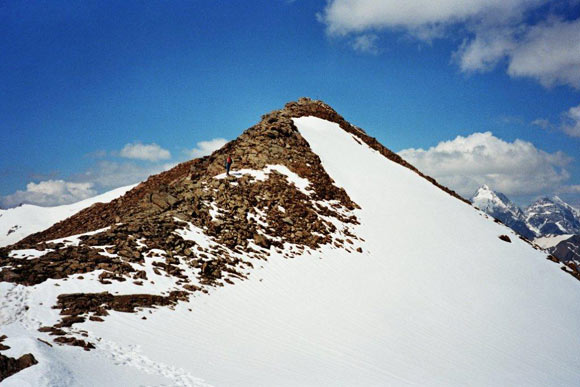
(204, 148)
(484, 51)
(548, 52)
(150, 152)
(346, 16)
(571, 122)
(542, 123)
(50, 193)
(366, 43)
(514, 168)
(102, 176)
(493, 31)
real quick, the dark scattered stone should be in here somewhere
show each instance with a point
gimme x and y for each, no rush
(74, 342)
(505, 238)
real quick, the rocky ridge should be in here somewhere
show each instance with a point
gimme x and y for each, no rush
(196, 226)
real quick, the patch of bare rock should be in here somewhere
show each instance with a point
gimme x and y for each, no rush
(9, 365)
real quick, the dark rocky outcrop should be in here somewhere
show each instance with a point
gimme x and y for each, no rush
(9, 365)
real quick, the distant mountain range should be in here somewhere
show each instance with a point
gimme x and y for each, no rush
(549, 221)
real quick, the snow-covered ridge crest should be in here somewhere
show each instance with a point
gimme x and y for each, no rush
(19, 222)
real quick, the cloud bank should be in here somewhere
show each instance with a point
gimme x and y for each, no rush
(514, 168)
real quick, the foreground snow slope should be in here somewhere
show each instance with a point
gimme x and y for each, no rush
(435, 299)
(19, 222)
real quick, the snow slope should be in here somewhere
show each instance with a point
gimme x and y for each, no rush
(19, 222)
(548, 241)
(435, 299)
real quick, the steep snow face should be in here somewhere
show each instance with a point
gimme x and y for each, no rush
(500, 207)
(434, 299)
(451, 304)
(553, 216)
(17, 223)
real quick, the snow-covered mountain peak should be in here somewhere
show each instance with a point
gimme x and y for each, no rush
(500, 207)
(553, 216)
(192, 277)
(485, 198)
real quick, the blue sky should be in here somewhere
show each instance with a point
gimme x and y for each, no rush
(99, 94)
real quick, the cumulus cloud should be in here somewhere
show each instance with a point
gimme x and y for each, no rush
(514, 168)
(494, 31)
(548, 52)
(149, 152)
(50, 193)
(204, 148)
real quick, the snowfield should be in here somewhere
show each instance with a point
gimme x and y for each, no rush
(19, 222)
(436, 298)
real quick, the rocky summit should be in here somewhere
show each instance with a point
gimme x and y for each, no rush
(278, 196)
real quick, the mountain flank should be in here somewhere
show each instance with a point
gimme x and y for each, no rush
(244, 215)
(314, 227)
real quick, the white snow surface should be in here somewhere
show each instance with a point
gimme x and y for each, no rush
(261, 175)
(434, 299)
(28, 219)
(548, 241)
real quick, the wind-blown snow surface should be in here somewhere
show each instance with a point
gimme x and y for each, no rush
(19, 222)
(435, 299)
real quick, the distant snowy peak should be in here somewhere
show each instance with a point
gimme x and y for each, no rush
(502, 208)
(553, 216)
(485, 198)
(546, 216)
